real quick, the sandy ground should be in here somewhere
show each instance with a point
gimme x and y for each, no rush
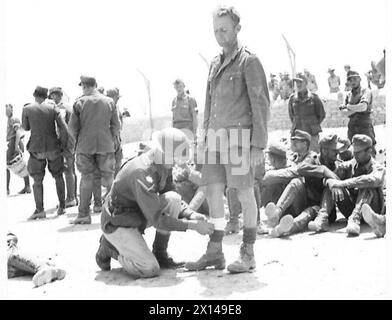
(303, 266)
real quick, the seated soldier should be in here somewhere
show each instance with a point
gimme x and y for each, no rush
(142, 196)
(188, 184)
(293, 194)
(20, 263)
(313, 189)
(361, 182)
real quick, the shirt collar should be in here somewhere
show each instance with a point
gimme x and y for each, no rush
(366, 167)
(303, 96)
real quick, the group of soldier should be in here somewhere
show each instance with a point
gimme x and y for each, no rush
(179, 180)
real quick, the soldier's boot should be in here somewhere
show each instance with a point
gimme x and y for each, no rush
(354, 224)
(273, 214)
(302, 221)
(60, 189)
(262, 228)
(246, 262)
(376, 221)
(37, 215)
(159, 249)
(321, 223)
(26, 188)
(105, 253)
(48, 274)
(232, 226)
(284, 226)
(213, 257)
(97, 208)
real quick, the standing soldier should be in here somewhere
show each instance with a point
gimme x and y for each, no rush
(184, 110)
(114, 93)
(358, 107)
(306, 111)
(14, 145)
(273, 86)
(45, 149)
(311, 79)
(347, 68)
(333, 81)
(95, 125)
(237, 102)
(56, 94)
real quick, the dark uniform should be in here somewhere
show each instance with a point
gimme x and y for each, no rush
(94, 124)
(306, 112)
(45, 148)
(142, 195)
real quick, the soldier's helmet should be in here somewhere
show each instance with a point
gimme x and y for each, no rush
(173, 144)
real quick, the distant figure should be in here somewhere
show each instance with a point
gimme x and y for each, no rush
(14, 145)
(306, 111)
(312, 84)
(374, 77)
(347, 68)
(333, 81)
(184, 108)
(273, 86)
(285, 86)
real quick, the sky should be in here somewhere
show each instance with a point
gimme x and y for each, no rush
(51, 43)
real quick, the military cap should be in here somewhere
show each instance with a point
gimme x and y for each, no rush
(276, 149)
(88, 81)
(332, 142)
(331, 70)
(113, 92)
(272, 75)
(352, 74)
(41, 92)
(179, 81)
(55, 90)
(361, 142)
(300, 77)
(347, 66)
(301, 135)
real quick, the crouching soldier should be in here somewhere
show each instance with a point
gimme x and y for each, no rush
(141, 197)
(361, 182)
(312, 189)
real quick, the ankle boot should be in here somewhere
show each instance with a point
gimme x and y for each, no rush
(273, 214)
(212, 258)
(354, 224)
(284, 226)
(301, 222)
(320, 223)
(246, 262)
(106, 251)
(159, 249)
(374, 220)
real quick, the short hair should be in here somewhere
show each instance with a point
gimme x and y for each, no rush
(228, 11)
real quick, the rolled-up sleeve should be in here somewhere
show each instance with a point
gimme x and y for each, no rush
(257, 87)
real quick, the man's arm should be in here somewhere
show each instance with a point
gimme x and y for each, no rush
(374, 179)
(317, 171)
(193, 106)
(115, 125)
(74, 122)
(25, 120)
(151, 205)
(256, 83)
(279, 176)
(320, 112)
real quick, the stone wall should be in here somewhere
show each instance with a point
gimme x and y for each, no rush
(137, 129)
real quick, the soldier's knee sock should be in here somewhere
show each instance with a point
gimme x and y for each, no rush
(27, 181)
(60, 188)
(38, 190)
(160, 242)
(217, 236)
(8, 179)
(249, 235)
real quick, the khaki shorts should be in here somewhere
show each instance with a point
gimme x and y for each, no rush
(232, 169)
